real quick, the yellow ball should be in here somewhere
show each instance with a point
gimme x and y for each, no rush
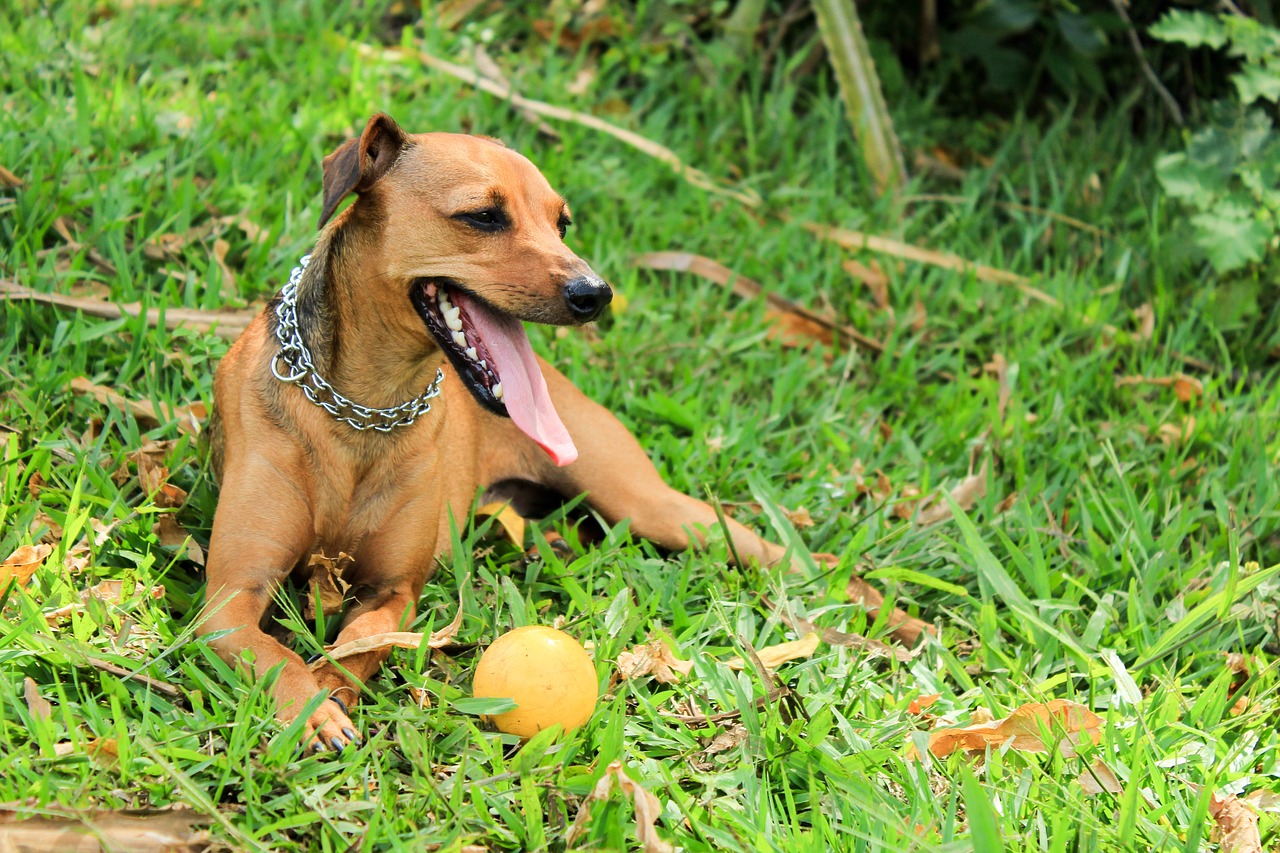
(545, 672)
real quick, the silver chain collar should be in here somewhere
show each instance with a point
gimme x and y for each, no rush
(301, 372)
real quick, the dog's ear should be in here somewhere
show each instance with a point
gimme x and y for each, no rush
(359, 163)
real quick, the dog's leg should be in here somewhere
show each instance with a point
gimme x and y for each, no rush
(392, 566)
(261, 529)
(621, 482)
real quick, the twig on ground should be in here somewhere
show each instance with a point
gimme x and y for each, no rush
(743, 286)
(225, 324)
(154, 683)
(659, 152)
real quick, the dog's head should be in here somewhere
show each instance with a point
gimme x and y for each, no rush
(471, 234)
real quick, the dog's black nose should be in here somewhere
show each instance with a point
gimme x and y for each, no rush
(587, 297)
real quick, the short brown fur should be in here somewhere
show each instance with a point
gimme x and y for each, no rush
(294, 481)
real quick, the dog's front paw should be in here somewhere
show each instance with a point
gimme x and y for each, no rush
(330, 728)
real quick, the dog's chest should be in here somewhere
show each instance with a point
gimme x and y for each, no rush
(387, 493)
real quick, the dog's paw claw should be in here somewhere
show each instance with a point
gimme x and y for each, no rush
(341, 704)
(352, 736)
(338, 745)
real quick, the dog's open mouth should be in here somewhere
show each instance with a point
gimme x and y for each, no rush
(492, 355)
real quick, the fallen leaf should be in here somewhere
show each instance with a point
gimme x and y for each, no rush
(773, 657)
(171, 534)
(22, 564)
(228, 291)
(327, 586)
(1145, 316)
(50, 531)
(184, 416)
(655, 659)
(1236, 825)
(874, 278)
(1185, 388)
(919, 703)
(395, 639)
(794, 331)
(1098, 777)
(647, 809)
(104, 752)
(35, 485)
(1021, 730)
(36, 704)
(510, 522)
(107, 591)
(965, 494)
(905, 628)
(1173, 434)
(798, 518)
(420, 697)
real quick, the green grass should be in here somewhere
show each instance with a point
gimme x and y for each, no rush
(1101, 556)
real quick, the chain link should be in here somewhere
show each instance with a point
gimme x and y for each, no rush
(300, 371)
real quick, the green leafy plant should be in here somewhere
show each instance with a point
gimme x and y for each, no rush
(1229, 173)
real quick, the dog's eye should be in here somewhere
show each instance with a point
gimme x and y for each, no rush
(489, 219)
(563, 226)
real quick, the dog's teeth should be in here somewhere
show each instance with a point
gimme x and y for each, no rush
(497, 390)
(460, 339)
(453, 320)
(472, 354)
(484, 365)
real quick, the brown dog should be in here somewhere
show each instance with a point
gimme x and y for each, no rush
(452, 241)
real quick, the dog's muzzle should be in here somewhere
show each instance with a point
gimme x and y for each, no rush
(586, 297)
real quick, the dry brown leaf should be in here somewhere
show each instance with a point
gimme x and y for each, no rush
(107, 591)
(1237, 663)
(510, 522)
(420, 697)
(394, 640)
(905, 628)
(1185, 388)
(748, 288)
(1173, 434)
(655, 659)
(920, 703)
(647, 808)
(799, 518)
(327, 586)
(874, 278)
(773, 657)
(1098, 777)
(105, 752)
(1021, 730)
(1145, 316)
(36, 704)
(794, 331)
(50, 531)
(171, 534)
(965, 494)
(184, 416)
(229, 292)
(22, 564)
(1235, 825)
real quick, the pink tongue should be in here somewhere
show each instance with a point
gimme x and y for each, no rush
(523, 389)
